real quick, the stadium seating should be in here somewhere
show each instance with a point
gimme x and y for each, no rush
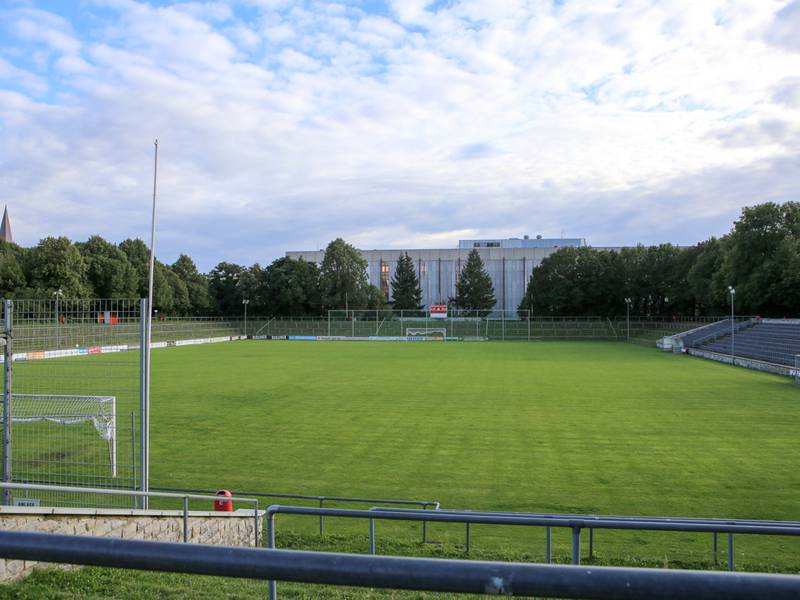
(772, 341)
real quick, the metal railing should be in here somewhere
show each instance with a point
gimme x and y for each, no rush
(575, 523)
(711, 522)
(425, 504)
(139, 494)
(421, 574)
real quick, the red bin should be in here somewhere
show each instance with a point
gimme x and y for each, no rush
(223, 505)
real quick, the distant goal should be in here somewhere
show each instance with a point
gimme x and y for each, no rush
(46, 421)
(430, 333)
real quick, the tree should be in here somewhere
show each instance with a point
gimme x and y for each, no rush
(755, 261)
(376, 299)
(55, 263)
(139, 257)
(406, 292)
(223, 287)
(12, 275)
(196, 284)
(291, 288)
(109, 272)
(474, 290)
(343, 277)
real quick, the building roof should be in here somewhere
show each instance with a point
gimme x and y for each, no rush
(5, 228)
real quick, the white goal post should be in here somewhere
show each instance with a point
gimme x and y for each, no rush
(101, 411)
(434, 332)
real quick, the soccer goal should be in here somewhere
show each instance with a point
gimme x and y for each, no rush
(433, 333)
(64, 410)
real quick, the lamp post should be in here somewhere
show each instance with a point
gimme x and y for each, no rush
(58, 294)
(245, 302)
(733, 328)
(628, 302)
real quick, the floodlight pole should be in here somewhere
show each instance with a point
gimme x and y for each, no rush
(733, 325)
(58, 293)
(245, 302)
(145, 408)
(628, 302)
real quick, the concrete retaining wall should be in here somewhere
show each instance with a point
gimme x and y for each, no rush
(741, 361)
(226, 529)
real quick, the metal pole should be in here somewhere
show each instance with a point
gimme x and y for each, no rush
(576, 545)
(467, 539)
(8, 357)
(716, 546)
(255, 525)
(733, 330)
(133, 456)
(591, 542)
(321, 522)
(185, 519)
(548, 555)
(372, 536)
(148, 334)
(272, 586)
(58, 321)
(143, 404)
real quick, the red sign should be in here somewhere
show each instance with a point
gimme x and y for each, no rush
(438, 311)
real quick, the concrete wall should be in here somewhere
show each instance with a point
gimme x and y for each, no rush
(749, 363)
(225, 529)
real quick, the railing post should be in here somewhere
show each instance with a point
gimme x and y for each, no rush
(716, 546)
(321, 520)
(255, 525)
(576, 545)
(467, 539)
(548, 555)
(185, 519)
(731, 566)
(272, 586)
(372, 536)
(591, 542)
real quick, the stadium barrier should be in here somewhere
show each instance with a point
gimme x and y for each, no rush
(184, 497)
(576, 523)
(425, 504)
(420, 574)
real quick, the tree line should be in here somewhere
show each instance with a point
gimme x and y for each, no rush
(759, 258)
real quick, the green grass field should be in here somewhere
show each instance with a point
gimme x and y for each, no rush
(588, 427)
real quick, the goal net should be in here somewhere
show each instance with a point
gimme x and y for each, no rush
(99, 411)
(432, 333)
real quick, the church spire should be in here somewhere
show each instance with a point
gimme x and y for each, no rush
(5, 228)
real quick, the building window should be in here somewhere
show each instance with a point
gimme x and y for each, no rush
(486, 244)
(385, 278)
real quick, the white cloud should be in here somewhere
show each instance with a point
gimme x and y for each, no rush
(294, 124)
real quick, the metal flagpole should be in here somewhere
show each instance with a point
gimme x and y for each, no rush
(145, 425)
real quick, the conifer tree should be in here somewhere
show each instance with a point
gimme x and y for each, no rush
(474, 290)
(406, 292)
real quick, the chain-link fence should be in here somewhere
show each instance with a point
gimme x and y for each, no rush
(648, 330)
(73, 393)
(463, 324)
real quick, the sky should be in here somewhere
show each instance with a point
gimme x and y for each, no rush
(399, 124)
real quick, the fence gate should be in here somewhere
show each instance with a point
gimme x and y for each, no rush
(72, 376)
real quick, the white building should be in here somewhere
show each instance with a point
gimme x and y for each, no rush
(509, 263)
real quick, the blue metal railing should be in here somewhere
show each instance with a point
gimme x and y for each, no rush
(422, 574)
